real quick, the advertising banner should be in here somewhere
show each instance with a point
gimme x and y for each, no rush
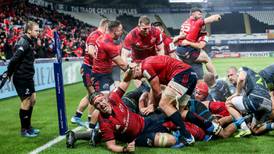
(44, 76)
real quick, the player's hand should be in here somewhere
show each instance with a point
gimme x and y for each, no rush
(217, 17)
(128, 75)
(131, 146)
(149, 109)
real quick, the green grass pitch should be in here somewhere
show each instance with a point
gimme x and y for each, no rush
(45, 118)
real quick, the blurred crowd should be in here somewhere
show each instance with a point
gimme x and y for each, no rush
(72, 32)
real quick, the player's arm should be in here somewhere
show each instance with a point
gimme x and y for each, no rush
(197, 45)
(120, 62)
(91, 50)
(161, 49)
(124, 53)
(156, 89)
(17, 58)
(182, 35)
(145, 107)
(212, 18)
(126, 80)
(111, 145)
(240, 82)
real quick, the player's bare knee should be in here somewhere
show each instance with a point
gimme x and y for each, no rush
(33, 99)
(203, 57)
(26, 103)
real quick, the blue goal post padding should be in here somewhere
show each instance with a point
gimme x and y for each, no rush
(59, 86)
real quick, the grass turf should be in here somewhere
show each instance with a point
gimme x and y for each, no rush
(45, 118)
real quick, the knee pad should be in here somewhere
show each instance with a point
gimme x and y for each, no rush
(163, 139)
(174, 91)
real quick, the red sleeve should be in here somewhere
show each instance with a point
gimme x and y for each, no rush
(148, 71)
(200, 22)
(113, 50)
(117, 92)
(107, 129)
(127, 41)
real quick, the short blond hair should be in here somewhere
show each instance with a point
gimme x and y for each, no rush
(144, 19)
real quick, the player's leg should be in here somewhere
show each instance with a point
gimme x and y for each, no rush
(198, 68)
(76, 119)
(88, 83)
(235, 108)
(203, 58)
(228, 131)
(164, 140)
(262, 128)
(26, 91)
(176, 90)
(206, 125)
(93, 113)
(25, 118)
(225, 120)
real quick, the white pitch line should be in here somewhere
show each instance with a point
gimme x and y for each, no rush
(52, 142)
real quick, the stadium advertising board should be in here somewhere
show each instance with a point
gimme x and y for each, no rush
(44, 76)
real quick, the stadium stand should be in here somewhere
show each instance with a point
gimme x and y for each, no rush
(72, 32)
(226, 27)
(263, 16)
(260, 21)
(92, 19)
(128, 21)
(173, 20)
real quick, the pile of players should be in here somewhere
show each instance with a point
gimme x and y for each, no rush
(171, 105)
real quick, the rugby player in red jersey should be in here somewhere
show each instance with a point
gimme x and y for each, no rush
(143, 41)
(191, 30)
(118, 123)
(180, 80)
(86, 71)
(107, 51)
(167, 40)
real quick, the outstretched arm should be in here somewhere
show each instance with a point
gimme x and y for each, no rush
(111, 145)
(212, 18)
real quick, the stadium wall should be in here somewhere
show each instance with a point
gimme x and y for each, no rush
(44, 75)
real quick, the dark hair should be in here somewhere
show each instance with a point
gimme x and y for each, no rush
(195, 9)
(113, 24)
(93, 95)
(157, 23)
(29, 26)
(144, 19)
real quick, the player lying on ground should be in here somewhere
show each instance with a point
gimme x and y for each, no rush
(256, 99)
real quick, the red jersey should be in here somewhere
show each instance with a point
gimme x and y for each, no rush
(192, 28)
(218, 108)
(197, 132)
(91, 39)
(164, 67)
(122, 124)
(106, 51)
(142, 46)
